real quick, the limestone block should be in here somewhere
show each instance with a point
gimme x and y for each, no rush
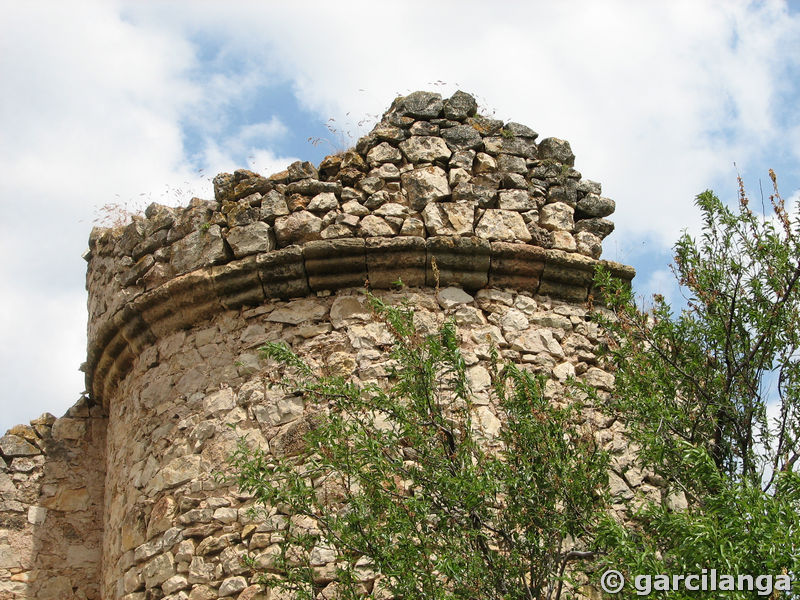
(449, 218)
(282, 273)
(161, 516)
(599, 227)
(178, 471)
(14, 445)
(346, 309)
(588, 244)
(219, 402)
(537, 341)
(412, 227)
(510, 144)
(519, 200)
(424, 185)
(323, 202)
(297, 311)
(502, 225)
(384, 153)
(462, 137)
(198, 249)
(594, 205)
(232, 585)
(450, 297)
(273, 205)
(557, 150)
(296, 228)
(374, 226)
(159, 569)
(175, 584)
(555, 216)
(425, 105)
(516, 265)
(598, 378)
(564, 371)
(250, 239)
(37, 515)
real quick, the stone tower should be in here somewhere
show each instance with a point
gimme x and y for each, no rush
(117, 499)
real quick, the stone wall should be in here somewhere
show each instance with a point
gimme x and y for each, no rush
(52, 476)
(180, 299)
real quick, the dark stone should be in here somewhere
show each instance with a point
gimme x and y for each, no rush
(312, 187)
(462, 137)
(593, 205)
(420, 105)
(600, 227)
(557, 150)
(223, 186)
(302, 170)
(424, 128)
(459, 106)
(519, 130)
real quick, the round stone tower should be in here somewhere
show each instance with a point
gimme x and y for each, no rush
(478, 220)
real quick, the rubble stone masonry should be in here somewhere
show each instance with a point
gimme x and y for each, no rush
(118, 499)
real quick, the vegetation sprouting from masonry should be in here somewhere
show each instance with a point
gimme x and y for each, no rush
(401, 490)
(401, 483)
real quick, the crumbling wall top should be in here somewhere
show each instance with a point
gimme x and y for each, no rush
(435, 190)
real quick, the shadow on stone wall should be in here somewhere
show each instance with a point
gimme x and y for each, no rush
(51, 506)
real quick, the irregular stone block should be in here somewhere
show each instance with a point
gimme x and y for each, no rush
(593, 205)
(599, 227)
(297, 311)
(519, 200)
(13, 445)
(556, 216)
(69, 429)
(502, 225)
(424, 185)
(567, 275)
(518, 146)
(374, 226)
(393, 259)
(298, 227)
(462, 137)
(334, 264)
(557, 150)
(198, 249)
(419, 148)
(460, 106)
(420, 105)
(449, 218)
(250, 239)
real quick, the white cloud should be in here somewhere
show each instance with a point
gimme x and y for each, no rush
(91, 114)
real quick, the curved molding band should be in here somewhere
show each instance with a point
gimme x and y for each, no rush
(381, 263)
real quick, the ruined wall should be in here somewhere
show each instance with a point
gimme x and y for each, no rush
(180, 299)
(52, 476)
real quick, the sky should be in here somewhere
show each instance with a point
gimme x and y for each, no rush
(122, 104)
